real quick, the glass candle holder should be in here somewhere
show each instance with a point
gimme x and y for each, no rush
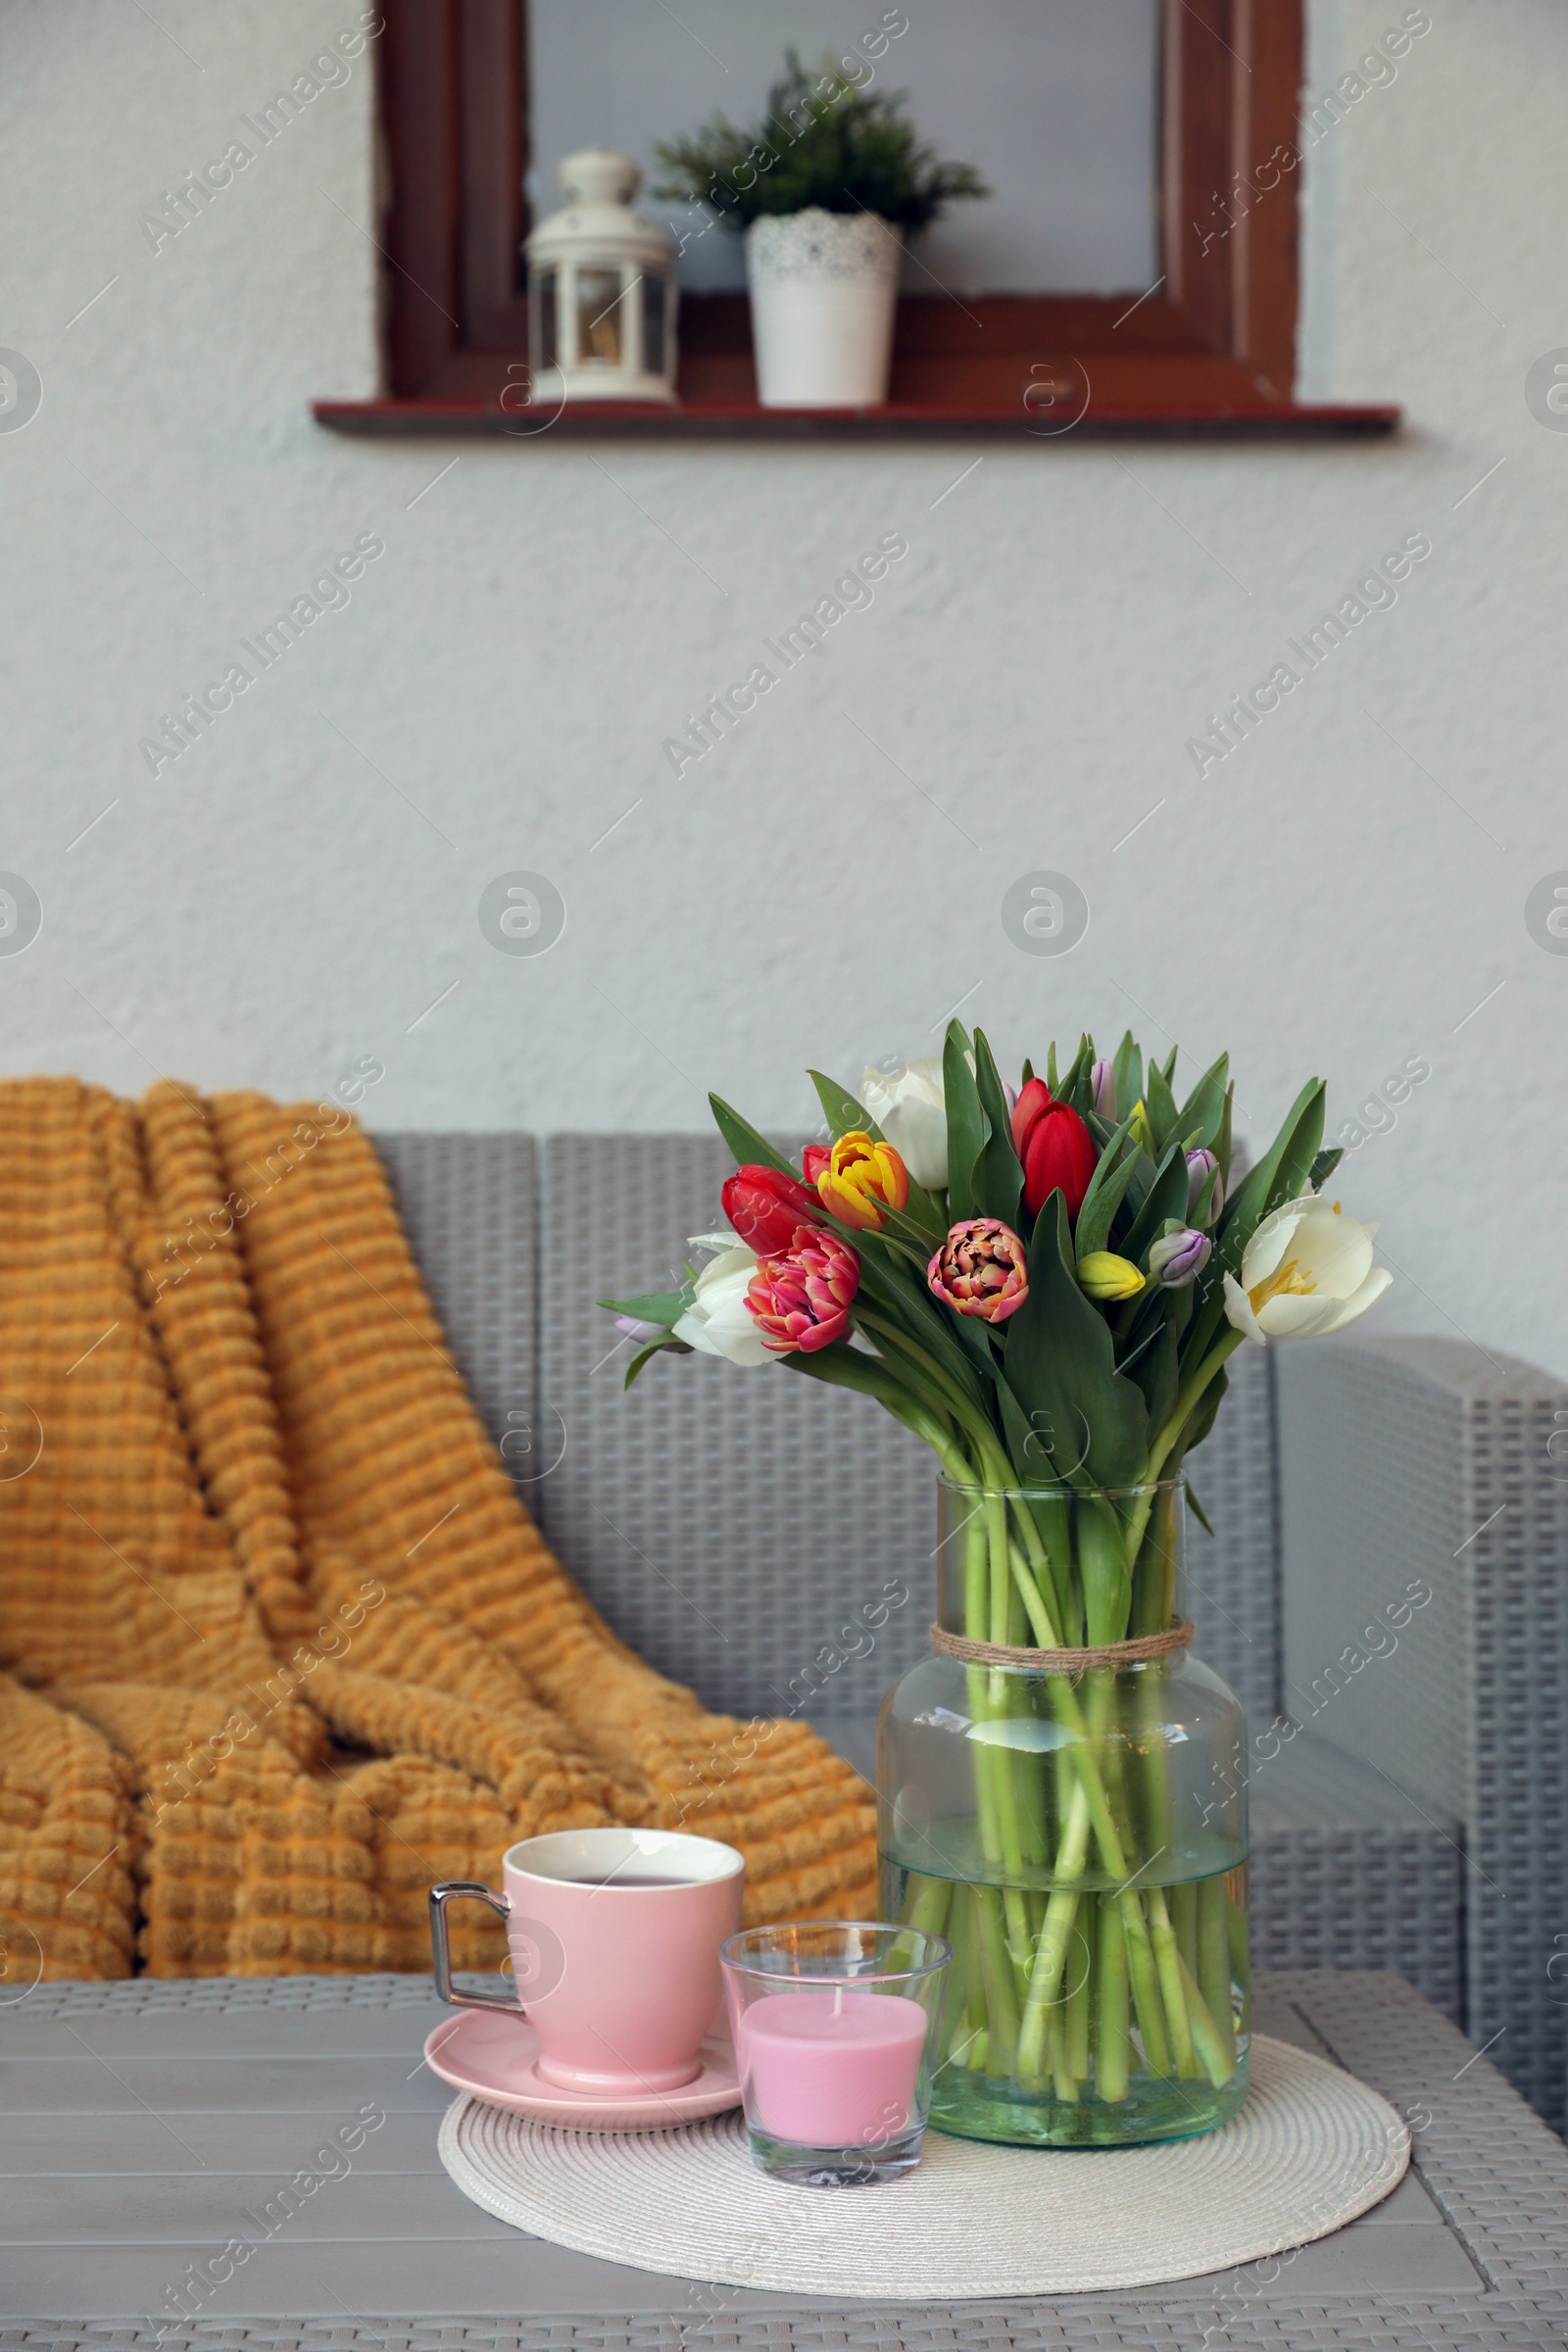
(835, 2028)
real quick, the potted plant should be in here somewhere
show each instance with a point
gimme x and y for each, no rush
(824, 189)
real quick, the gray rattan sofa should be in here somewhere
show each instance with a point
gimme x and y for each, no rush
(1410, 1759)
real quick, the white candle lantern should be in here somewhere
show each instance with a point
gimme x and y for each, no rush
(601, 290)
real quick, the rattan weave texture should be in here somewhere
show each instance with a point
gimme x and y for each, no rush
(468, 1205)
(1446, 1477)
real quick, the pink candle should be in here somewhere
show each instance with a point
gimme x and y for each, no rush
(831, 2070)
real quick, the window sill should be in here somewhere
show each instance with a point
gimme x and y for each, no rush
(1215, 420)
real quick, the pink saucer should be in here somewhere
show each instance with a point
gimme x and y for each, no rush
(493, 2058)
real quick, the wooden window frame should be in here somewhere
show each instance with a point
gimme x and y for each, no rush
(1212, 345)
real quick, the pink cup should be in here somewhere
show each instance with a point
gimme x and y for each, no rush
(614, 1938)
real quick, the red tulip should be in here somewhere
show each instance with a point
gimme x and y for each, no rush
(764, 1206)
(813, 1159)
(1055, 1148)
(800, 1297)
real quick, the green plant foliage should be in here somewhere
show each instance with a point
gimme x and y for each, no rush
(820, 141)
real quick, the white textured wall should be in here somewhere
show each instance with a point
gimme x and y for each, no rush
(828, 885)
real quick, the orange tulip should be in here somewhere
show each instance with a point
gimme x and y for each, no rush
(860, 1179)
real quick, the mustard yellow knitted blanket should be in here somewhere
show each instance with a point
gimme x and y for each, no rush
(280, 1648)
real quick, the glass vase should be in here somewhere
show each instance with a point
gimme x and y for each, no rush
(1078, 1837)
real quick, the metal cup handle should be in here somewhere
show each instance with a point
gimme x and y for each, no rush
(440, 1957)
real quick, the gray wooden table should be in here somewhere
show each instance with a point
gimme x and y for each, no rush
(277, 2138)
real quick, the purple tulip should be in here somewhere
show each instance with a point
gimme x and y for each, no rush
(1177, 1258)
(1103, 1086)
(631, 1329)
(1199, 1165)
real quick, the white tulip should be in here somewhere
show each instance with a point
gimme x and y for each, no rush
(1306, 1271)
(910, 1106)
(718, 1321)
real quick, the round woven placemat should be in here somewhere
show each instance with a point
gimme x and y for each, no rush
(1310, 2150)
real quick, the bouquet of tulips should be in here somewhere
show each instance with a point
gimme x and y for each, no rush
(1044, 1284)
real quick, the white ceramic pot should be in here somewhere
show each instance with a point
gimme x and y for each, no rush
(824, 287)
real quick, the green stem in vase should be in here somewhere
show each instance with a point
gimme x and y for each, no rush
(1022, 2006)
(1113, 2042)
(1000, 1585)
(925, 1903)
(1239, 1940)
(1144, 1978)
(996, 1972)
(999, 1761)
(1184, 1919)
(955, 2027)
(1214, 2051)
(1081, 1978)
(1056, 1935)
(1168, 1962)
(1064, 2080)
(1048, 1518)
(1213, 1971)
(1153, 1602)
(1028, 1589)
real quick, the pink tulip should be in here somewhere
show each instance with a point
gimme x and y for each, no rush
(802, 1297)
(980, 1269)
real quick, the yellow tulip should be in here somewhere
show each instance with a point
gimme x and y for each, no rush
(1103, 1275)
(860, 1179)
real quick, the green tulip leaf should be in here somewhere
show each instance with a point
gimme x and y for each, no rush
(1199, 1116)
(1113, 1173)
(998, 1176)
(1028, 1448)
(744, 1140)
(1168, 1066)
(843, 1114)
(1278, 1176)
(1105, 1570)
(966, 1124)
(1165, 1198)
(1221, 1145)
(1061, 1366)
(655, 1306)
(1324, 1166)
(1156, 1371)
(1128, 1066)
(1077, 1075)
(654, 1347)
(897, 1287)
(1199, 1423)
(1161, 1104)
(1199, 1513)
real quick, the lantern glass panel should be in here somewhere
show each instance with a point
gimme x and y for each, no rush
(599, 319)
(547, 354)
(655, 303)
